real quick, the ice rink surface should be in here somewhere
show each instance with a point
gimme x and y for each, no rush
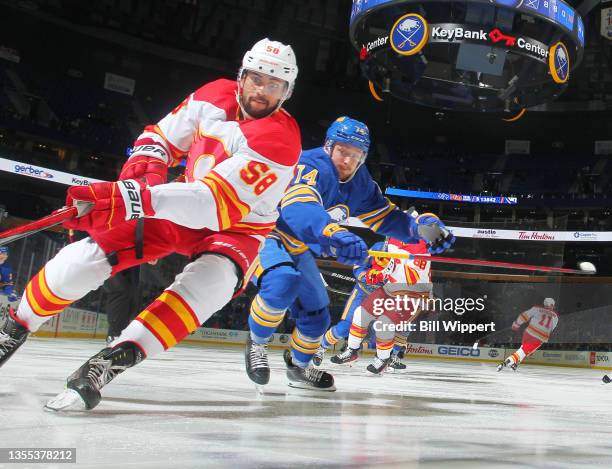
(195, 407)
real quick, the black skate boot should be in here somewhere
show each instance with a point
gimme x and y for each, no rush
(606, 379)
(309, 377)
(348, 356)
(514, 366)
(395, 362)
(12, 336)
(317, 359)
(501, 366)
(83, 386)
(256, 361)
(378, 365)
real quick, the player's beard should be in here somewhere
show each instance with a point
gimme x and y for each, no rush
(258, 112)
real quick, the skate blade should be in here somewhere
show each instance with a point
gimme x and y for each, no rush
(66, 400)
(259, 390)
(347, 364)
(299, 385)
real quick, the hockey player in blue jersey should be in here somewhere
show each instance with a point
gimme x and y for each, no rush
(6, 275)
(363, 287)
(331, 184)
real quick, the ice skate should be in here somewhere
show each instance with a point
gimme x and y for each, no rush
(396, 363)
(309, 377)
(348, 356)
(256, 361)
(378, 365)
(83, 386)
(12, 336)
(606, 379)
(501, 366)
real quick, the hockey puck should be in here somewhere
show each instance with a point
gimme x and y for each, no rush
(587, 267)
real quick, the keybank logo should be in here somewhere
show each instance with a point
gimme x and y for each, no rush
(32, 171)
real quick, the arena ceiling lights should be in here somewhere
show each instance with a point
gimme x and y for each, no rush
(473, 55)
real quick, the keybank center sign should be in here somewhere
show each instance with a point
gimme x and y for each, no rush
(453, 32)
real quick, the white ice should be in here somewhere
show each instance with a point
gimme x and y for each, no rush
(195, 407)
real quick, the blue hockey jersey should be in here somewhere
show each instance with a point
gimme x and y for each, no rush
(315, 198)
(6, 279)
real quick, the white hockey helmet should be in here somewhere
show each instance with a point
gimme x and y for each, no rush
(272, 58)
(549, 303)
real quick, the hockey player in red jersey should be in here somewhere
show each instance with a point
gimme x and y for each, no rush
(541, 320)
(241, 149)
(404, 279)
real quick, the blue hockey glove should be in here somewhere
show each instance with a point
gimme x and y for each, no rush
(12, 297)
(430, 229)
(348, 248)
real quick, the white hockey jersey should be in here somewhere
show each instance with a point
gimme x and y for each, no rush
(237, 169)
(542, 321)
(408, 275)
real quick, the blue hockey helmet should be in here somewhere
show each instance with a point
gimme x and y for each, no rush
(349, 131)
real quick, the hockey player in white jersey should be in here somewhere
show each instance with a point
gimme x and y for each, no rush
(541, 321)
(408, 279)
(241, 149)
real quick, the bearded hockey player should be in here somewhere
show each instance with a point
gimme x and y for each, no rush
(241, 149)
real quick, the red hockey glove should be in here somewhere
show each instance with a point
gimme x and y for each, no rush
(515, 327)
(374, 277)
(153, 170)
(112, 203)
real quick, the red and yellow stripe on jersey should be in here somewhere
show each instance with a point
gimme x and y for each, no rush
(261, 229)
(169, 318)
(304, 344)
(358, 331)
(538, 333)
(384, 345)
(230, 209)
(375, 218)
(412, 275)
(40, 297)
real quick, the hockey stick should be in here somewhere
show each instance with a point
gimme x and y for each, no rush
(339, 276)
(56, 218)
(586, 270)
(479, 342)
(334, 274)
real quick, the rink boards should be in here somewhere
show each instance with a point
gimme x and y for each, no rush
(79, 323)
